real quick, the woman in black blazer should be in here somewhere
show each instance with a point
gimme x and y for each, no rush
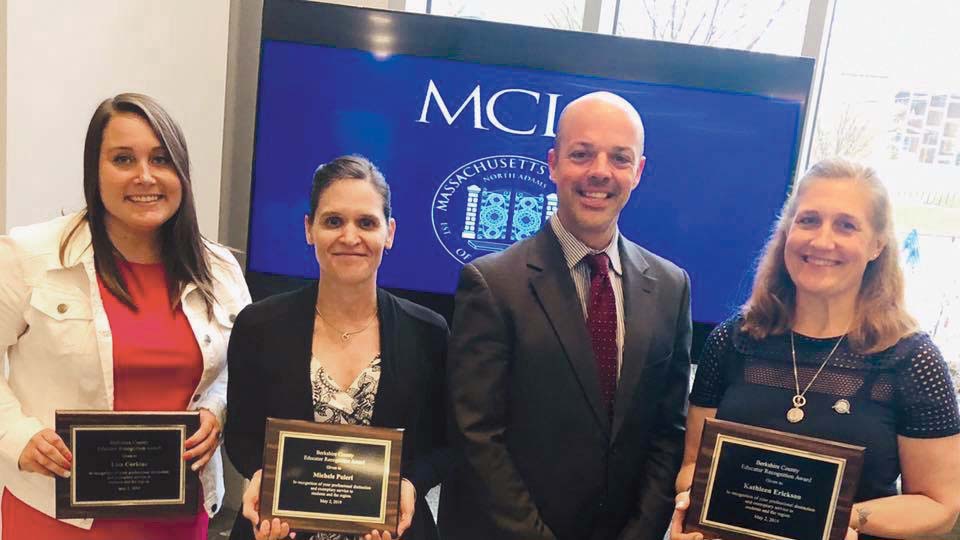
(341, 351)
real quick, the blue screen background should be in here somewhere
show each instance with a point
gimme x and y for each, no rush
(718, 163)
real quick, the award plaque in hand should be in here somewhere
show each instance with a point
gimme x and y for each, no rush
(127, 465)
(331, 477)
(752, 482)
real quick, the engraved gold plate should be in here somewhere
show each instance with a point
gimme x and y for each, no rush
(806, 484)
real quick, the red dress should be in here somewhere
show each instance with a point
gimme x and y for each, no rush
(157, 365)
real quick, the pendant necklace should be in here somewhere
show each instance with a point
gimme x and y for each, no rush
(344, 335)
(795, 414)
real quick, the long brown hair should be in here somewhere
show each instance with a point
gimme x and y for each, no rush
(183, 249)
(881, 318)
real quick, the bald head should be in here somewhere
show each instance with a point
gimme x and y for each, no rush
(596, 162)
(598, 103)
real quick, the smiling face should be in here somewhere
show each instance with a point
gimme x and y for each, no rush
(596, 164)
(831, 239)
(349, 231)
(139, 185)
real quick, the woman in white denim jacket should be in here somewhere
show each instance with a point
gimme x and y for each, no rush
(53, 325)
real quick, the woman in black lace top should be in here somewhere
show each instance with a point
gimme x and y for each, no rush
(825, 348)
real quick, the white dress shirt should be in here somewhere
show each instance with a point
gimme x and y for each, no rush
(574, 252)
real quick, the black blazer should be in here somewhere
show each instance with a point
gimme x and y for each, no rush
(543, 458)
(268, 362)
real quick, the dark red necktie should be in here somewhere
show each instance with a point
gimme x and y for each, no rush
(602, 324)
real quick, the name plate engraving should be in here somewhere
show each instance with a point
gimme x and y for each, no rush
(755, 483)
(127, 465)
(331, 477)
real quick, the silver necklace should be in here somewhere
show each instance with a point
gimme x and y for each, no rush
(795, 414)
(344, 335)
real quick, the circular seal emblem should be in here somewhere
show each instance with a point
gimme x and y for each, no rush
(488, 204)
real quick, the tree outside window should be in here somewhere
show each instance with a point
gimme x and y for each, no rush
(775, 26)
(888, 102)
(559, 14)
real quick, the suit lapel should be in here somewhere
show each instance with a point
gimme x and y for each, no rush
(637, 308)
(554, 288)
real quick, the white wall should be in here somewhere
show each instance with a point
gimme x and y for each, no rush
(59, 59)
(63, 58)
(4, 370)
(3, 115)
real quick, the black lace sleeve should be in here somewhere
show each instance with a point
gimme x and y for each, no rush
(926, 397)
(710, 382)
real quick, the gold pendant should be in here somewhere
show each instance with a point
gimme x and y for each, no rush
(794, 415)
(345, 336)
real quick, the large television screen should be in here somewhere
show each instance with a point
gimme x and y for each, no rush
(459, 116)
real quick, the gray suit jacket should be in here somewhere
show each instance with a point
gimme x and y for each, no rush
(542, 458)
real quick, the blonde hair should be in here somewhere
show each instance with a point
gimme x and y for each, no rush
(881, 318)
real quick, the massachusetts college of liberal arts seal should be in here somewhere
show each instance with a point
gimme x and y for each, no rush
(490, 203)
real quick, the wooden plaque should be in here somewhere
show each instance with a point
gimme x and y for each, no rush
(127, 465)
(752, 483)
(331, 477)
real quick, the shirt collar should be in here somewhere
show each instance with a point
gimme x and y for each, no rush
(575, 250)
(79, 250)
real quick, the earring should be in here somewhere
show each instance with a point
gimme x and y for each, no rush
(386, 251)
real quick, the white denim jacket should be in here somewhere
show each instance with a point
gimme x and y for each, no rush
(57, 339)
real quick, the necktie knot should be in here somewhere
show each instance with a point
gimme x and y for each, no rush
(599, 263)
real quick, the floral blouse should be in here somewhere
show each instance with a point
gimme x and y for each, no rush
(335, 405)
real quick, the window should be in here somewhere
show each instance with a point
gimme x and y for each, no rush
(918, 107)
(561, 14)
(948, 146)
(910, 144)
(774, 26)
(953, 110)
(880, 83)
(934, 118)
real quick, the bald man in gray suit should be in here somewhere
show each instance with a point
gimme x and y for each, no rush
(569, 360)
